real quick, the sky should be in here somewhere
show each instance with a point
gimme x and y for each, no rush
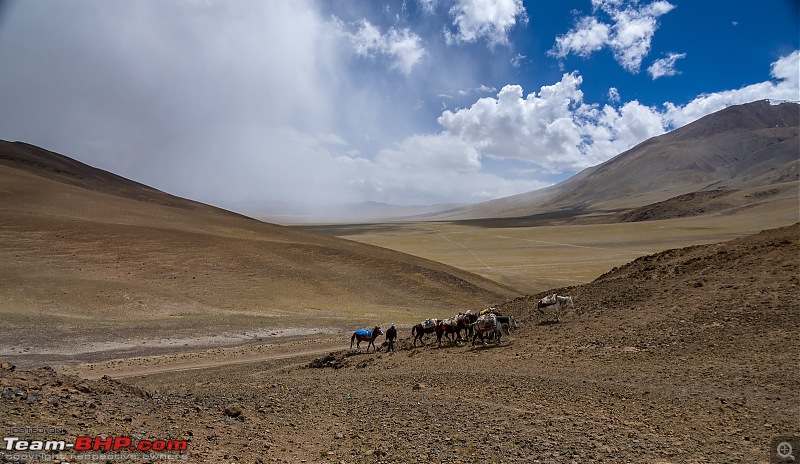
(413, 102)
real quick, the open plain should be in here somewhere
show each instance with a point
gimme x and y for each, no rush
(538, 253)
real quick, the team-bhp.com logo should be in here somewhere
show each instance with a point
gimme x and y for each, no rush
(95, 444)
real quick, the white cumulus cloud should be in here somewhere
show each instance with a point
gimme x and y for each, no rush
(628, 34)
(529, 128)
(485, 19)
(665, 66)
(403, 47)
(613, 95)
(588, 36)
(786, 86)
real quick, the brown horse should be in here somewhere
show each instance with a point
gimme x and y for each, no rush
(447, 327)
(365, 335)
(426, 327)
(452, 327)
(466, 324)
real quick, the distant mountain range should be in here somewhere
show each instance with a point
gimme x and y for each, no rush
(289, 212)
(742, 146)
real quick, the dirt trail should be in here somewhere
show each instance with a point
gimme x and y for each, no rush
(216, 357)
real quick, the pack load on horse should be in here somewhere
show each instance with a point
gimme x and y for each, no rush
(364, 335)
(452, 327)
(447, 327)
(549, 300)
(468, 319)
(487, 324)
(508, 323)
(490, 309)
(556, 301)
(428, 326)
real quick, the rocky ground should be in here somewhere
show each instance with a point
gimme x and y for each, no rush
(685, 356)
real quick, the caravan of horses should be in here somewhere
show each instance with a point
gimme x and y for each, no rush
(489, 324)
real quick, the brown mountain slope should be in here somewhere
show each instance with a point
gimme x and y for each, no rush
(60, 168)
(719, 201)
(103, 259)
(742, 146)
(755, 277)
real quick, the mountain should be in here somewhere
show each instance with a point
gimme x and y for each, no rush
(288, 212)
(739, 147)
(87, 252)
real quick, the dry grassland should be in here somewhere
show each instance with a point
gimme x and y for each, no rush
(541, 256)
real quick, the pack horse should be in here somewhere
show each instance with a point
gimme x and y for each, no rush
(364, 335)
(454, 325)
(428, 326)
(557, 301)
(493, 325)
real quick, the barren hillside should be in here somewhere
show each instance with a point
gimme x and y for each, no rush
(108, 261)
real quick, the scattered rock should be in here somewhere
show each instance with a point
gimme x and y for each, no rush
(332, 360)
(233, 410)
(83, 388)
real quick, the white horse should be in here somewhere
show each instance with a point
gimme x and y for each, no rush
(508, 323)
(557, 301)
(485, 325)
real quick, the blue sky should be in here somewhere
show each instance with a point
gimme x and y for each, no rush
(404, 102)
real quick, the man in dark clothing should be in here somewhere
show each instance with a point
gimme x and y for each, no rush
(391, 334)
